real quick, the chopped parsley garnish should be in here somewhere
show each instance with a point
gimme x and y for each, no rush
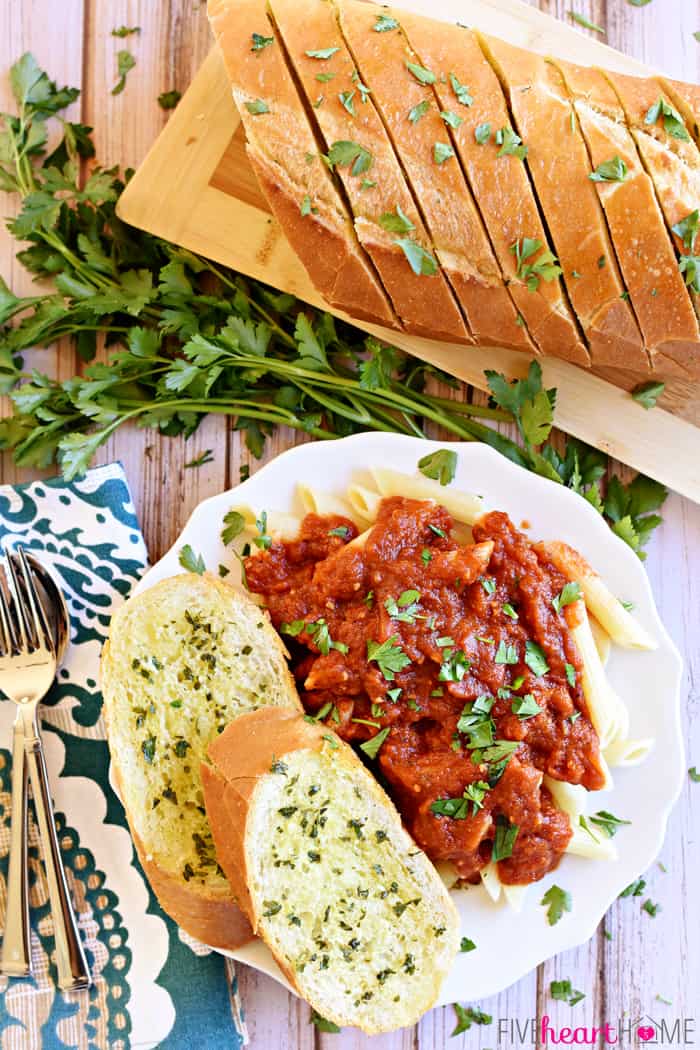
(148, 749)
(169, 99)
(467, 1016)
(570, 674)
(394, 694)
(687, 229)
(426, 556)
(454, 666)
(458, 808)
(346, 153)
(635, 889)
(545, 267)
(405, 609)
(526, 706)
(672, 120)
(439, 466)
(649, 907)
(422, 75)
(323, 53)
(509, 611)
(234, 524)
(420, 260)
(461, 91)
(482, 133)
(323, 1025)
(694, 775)
(371, 747)
(263, 541)
(190, 561)
(201, 460)
(535, 659)
(488, 584)
(318, 631)
(257, 106)
(418, 111)
(506, 654)
(293, 627)
(442, 151)
(570, 592)
(346, 100)
(506, 834)
(324, 78)
(614, 170)
(385, 23)
(467, 945)
(647, 394)
(511, 144)
(608, 823)
(260, 42)
(396, 222)
(585, 22)
(341, 530)
(437, 530)
(451, 118)
(388, 655)
(557, 901)
(563, 991)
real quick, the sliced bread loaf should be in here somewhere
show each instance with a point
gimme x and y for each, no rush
(183, 659)
(354, 913)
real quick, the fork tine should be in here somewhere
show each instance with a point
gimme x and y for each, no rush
(44, 634)
(21, 623)
(7, 637)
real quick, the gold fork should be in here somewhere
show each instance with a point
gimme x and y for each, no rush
(27, 669)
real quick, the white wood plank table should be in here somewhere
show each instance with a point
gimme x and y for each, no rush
(645, 958)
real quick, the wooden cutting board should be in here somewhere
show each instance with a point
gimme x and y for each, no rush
(197, 189)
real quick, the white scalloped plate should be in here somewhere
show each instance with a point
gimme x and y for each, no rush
(649, 683)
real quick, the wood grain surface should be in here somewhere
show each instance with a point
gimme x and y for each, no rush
(645, 958)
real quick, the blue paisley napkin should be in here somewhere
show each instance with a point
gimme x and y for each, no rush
(153, 984)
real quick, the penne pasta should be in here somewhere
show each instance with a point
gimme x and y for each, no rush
(463, 506)
(572, 799)
(491, 882)
(514, 896)
(448, 873)
(602, 703)
(278, 523)
(364, 502)
(624, 752)
(607, 609)
(318, 501)
(601, 639)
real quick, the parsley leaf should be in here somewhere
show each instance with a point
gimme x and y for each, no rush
(608, 823)
(260, 42)
(346, 153)
(461, 91)
(125, 63)
(506, 834)
(557, 901)
(672, 120)
(442, 151)
(388, 655)
(570, 592)
(323, 53)
(687, 229)
(614, 170)
(420, 260)
(169, 99)
(397, 222)
(635, 889)
(422, 75)
(418, 111)
(234, 524)
(467, 1016)
(535, 658)
(451, 118)
(647, 394)
(384, 24)
(123, 31)
(439, 466)
(482, 133)
(650, 908)
(563, 991)
(257, 107)
(190, 561)
(585, 22)
(511, 144)
(467, 945)
(545, 267)
(506, 654)
(371, 747)
(323, 1025)
(526, 706)
(694, 774)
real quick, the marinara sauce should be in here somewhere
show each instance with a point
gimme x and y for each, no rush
(456, 650)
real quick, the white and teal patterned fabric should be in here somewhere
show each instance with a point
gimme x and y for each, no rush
(153, 985)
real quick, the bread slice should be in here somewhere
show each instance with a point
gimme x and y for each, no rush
(287, 161)
(500, 185)
(673, 163)
(183, 659)
(558, 161)
(444, 198)
(373, 180)
(686, 98)
(354, 913)
(644, 248)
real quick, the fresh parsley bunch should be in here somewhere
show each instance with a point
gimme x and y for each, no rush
(191, 338)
